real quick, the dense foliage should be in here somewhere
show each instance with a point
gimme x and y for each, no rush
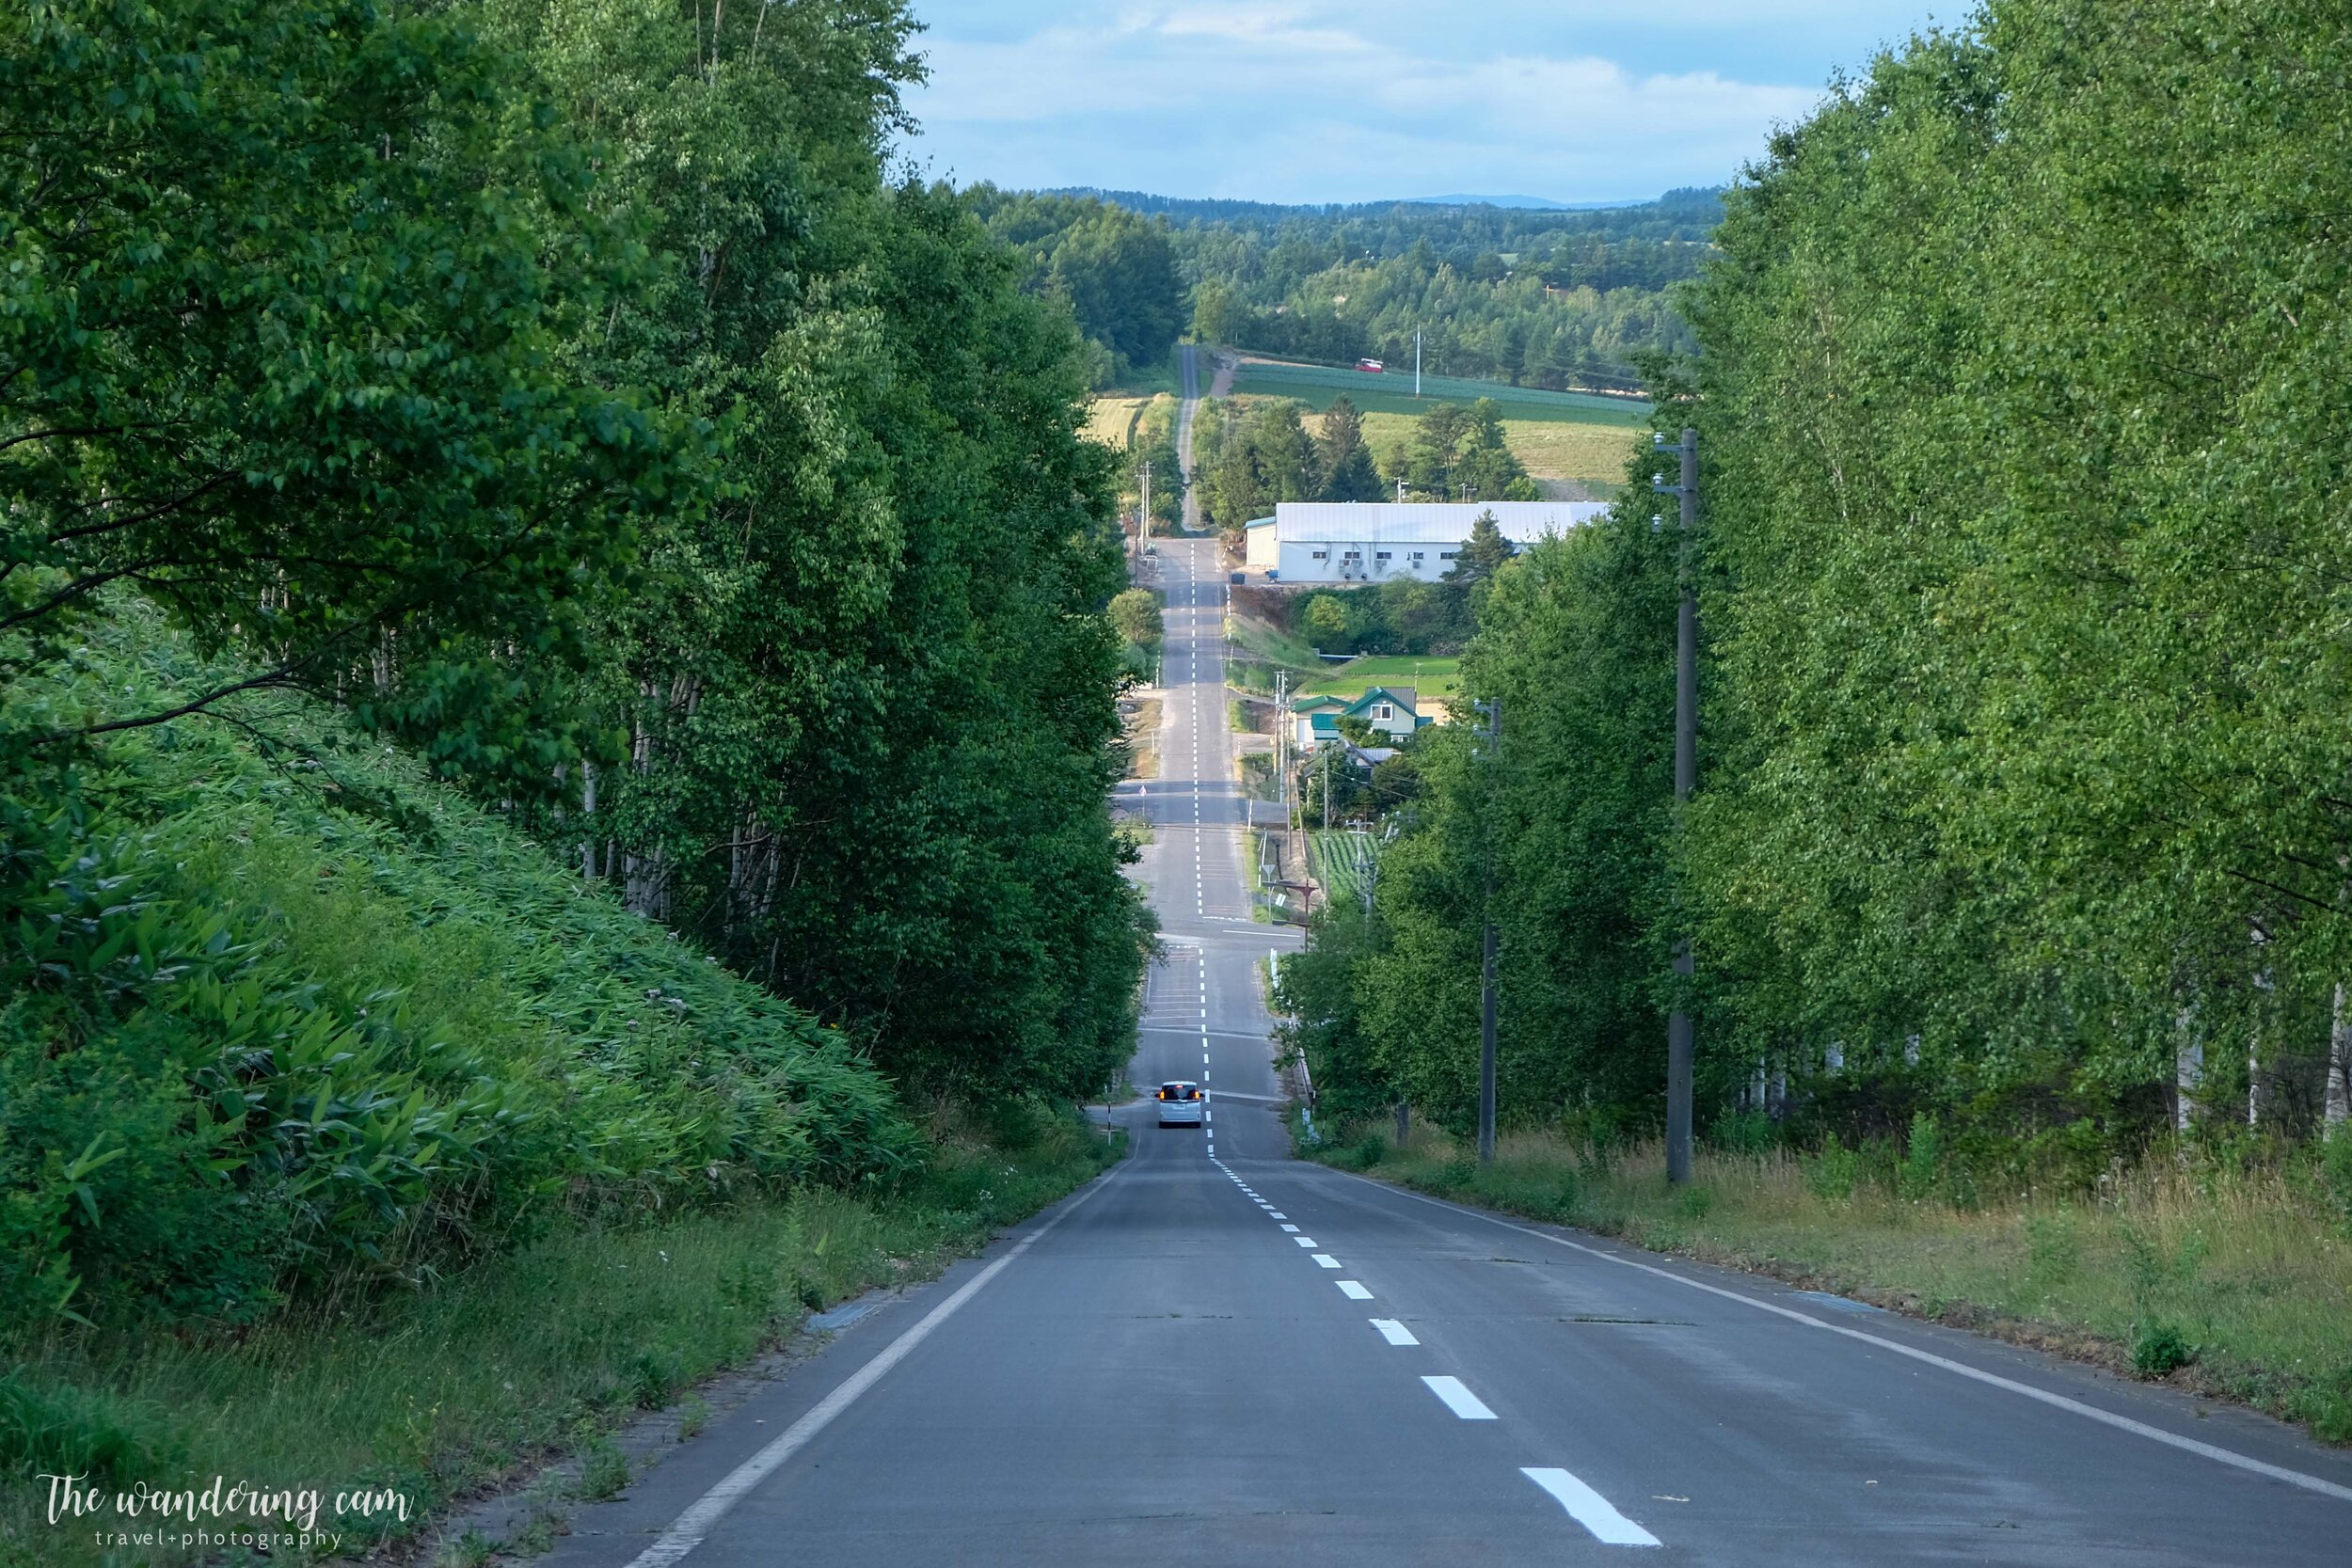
(556, 386)
(280, 1012)
(1116, 271)
(868, 690)
(1551, 299)
(2022, 806)
(282, 282)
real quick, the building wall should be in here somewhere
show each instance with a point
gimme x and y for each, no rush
(1298, 563)
(1259, 550)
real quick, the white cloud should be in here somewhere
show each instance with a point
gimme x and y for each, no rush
(1316, 102)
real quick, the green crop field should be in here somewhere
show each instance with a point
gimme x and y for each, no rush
(1337, 861)
(1429, 675)
(1393, 393)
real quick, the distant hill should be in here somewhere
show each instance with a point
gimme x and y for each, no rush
(1698, 205)
(1520, 203)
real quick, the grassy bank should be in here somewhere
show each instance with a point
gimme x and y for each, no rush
(476, 1379)
(2226, 1277)
(1431, 675)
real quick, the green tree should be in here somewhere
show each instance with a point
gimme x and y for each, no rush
(1345, 461)
(284, 285)
(1136, 613)
(1483, 553)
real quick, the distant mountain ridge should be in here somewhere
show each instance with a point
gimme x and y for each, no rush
(1185, 208)
(1524, 204)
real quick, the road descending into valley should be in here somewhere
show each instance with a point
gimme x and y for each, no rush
(1217, 1354)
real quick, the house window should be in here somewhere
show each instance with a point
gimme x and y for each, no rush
(1383, 712)
(1445, 555)
(1354, 555)
(1321, 555)
(1416, 555)
(1383, 555)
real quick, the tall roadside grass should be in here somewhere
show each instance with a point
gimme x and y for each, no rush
(2228, 1276)
(524, 1357)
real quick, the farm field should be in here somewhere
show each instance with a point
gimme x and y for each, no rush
(1547, 448)
(1339, 855)
(1393, 393)
(1111, 421)
(1430, 674)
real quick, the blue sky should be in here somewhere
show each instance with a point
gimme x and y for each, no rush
(1308, 101)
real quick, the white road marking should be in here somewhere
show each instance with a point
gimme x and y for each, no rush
(2089, 1412)
(1352, 1291)
(1304, 1241)
(1291, 1229)
(1275, 1213)
(1393, 1332)
(1590, 1509)
(689, 1529)
(1327, 1261)
(1458, 1398)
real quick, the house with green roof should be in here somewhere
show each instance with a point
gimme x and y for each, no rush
(1393, 710)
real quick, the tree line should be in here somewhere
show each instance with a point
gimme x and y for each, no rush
(570, 396)
(2022, 820)
(1248, 455)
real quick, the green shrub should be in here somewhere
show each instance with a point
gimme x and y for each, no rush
(1920, 1175)
(1832, 1173)
(2160, 1348)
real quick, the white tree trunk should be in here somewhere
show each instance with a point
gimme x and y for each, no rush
(2188, 1069)
(588, 808)
(2339, 1101)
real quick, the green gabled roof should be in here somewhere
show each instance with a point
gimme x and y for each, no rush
(1402, 698)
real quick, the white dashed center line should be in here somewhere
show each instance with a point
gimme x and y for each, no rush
(1590, 1509)
(1459, 1400)
(1393, 1332)
(1352, 1291)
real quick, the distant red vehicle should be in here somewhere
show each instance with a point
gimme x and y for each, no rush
(1374, 366)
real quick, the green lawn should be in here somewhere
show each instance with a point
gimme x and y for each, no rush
(1429, 675)
(1393, 393)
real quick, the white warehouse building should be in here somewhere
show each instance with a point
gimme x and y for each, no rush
(1337, 542)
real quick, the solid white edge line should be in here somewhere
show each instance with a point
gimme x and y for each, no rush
(1393, 1332)
(1590, 1509)
(690, 1529)
(2060, 1402)
(1458, 1398)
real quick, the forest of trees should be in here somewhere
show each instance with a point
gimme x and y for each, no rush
(1552, 299)
(564, 401)
(2021, 819)
(1116, 271)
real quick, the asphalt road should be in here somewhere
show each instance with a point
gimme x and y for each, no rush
(1240, 1358)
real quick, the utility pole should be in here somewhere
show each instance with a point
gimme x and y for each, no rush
(1281, 743)
(1487, 749)
(1679, 1041)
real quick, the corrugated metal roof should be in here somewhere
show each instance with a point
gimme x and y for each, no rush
(1259, 522)
(1423, 522)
